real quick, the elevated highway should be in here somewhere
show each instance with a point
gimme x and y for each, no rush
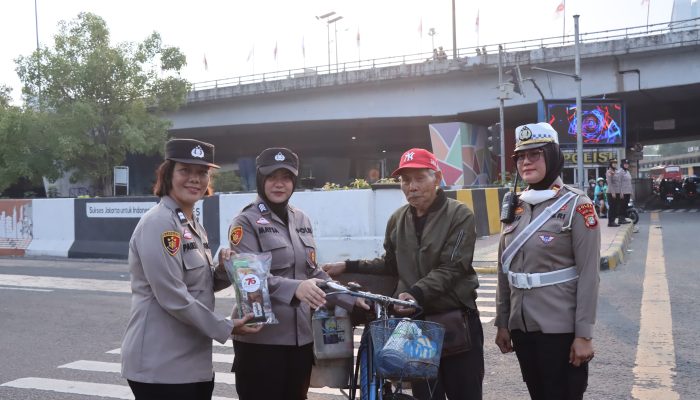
(378, 109)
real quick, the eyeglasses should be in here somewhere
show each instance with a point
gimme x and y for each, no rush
(532, 156)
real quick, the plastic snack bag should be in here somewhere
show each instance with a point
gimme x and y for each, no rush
(248, 273)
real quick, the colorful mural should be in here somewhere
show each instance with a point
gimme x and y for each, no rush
(15, 226)
(462, 154)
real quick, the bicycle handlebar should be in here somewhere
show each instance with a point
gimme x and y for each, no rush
(381, 299)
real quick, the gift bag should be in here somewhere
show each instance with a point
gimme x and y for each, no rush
(248, 274)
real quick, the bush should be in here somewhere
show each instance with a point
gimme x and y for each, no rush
(226, 181)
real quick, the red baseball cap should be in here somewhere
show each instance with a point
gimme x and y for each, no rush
(417, 158)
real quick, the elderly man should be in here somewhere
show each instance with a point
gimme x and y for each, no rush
(429, 245)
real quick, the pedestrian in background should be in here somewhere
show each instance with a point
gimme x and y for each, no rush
(276, 362)
(625, 191)
(549, 254)
(600, 197)
(612, 176)
(167, 347)
(429, 245)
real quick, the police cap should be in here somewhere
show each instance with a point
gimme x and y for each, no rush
(190, 151)
(275, 158)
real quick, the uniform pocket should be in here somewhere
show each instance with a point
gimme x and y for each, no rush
(197, 274)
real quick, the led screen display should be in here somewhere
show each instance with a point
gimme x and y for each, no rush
(602, 122)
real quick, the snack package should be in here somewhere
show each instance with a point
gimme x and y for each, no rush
(248, 273)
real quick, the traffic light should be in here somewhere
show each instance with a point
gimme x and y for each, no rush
(493, 139)
(517, 80)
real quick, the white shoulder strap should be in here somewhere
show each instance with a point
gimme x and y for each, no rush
(532, 227)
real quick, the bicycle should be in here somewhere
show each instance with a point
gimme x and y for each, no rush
(392, 348)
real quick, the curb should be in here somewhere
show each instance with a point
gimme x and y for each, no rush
(614, 255)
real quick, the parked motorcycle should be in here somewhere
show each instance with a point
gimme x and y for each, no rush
(631, 212)
(690, 190)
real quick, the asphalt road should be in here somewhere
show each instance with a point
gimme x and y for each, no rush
(62, 322)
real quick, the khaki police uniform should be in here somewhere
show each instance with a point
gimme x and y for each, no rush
(258, 230)
(570, 238)
(168, 337)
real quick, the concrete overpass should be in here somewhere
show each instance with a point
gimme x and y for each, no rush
(376, 111)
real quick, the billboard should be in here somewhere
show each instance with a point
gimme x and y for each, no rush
(602, 121)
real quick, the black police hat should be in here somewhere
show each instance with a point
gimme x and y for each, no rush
(190, 151)
(277, 157)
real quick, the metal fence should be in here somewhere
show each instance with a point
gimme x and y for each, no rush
(483, 51)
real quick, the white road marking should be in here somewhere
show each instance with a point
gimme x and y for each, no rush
(490, 291)
(99, 366)
(27, 289)
(73, 387)
(486, 320)
(99, 285)
(655, 363)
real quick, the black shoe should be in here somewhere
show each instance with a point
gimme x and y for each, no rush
(603, 216)
(613, 225)
(622, 222)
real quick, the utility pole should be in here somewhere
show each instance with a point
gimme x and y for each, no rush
(454, 32)
(501, 117)
(579, 112)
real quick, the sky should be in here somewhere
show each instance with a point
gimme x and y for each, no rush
(239, 37)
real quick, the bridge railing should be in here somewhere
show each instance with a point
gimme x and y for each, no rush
(462, 53)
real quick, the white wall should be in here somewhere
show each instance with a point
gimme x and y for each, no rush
(54, 227)
(347, 224)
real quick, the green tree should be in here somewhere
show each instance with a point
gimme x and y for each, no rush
(102, 101)
(28, 149)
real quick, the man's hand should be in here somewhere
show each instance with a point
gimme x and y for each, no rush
(310, 293)
(240, 327)
(334, 269)
(581, 351)
(405, 311)
(503, 340)
(361, 303)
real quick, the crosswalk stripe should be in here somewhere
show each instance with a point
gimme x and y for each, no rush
(220, 377)
(486, 291)
(27, 289)
(73, 387)
(487, 278)
(487, 309)
(694, 210)
(489, 284)
(93, 285)
(486, 320)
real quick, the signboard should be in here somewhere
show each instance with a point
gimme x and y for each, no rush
(602, 121)
(590, 157)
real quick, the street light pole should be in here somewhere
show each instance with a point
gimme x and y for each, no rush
(335, 29)
(324, 18)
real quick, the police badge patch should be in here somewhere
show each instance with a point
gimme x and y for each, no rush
(235, 235)
(588, 213)
(171, 242)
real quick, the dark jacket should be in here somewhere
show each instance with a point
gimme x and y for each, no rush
(436, 268)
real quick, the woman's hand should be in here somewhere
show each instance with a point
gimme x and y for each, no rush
(225, 255)
(581, 351)
(309, 293)
(240, 327)
(503, 340)
(334, 269)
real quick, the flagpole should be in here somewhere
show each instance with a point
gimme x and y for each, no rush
(563, 32)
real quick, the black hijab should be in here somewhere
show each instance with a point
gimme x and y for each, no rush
(554, 162)
(280, 209)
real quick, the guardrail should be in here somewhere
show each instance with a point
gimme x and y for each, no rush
(484, 51)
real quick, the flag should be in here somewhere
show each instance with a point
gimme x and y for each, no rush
(420, 28)
(206, 65)
(560, 9)
(476, 25)
(358, 36)
(275, 51)
(251, 53)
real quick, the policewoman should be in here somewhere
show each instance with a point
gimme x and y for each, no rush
(614, 178)
(167, 347)
(276, 362)
(549, 254)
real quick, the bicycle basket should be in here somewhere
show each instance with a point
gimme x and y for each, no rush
(406, 349)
